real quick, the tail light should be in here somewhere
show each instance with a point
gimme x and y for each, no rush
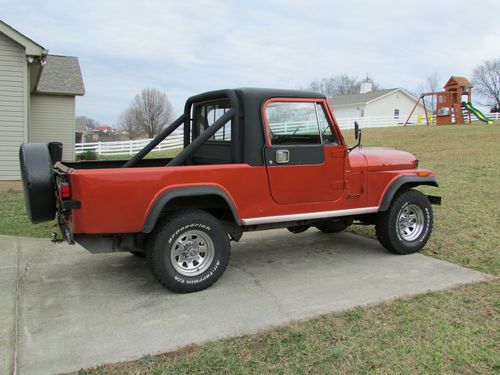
(64, 190)
(64, 195)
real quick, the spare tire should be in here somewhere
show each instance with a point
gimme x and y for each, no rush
(38, 182)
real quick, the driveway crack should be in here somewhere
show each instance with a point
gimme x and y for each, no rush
(259, 285)
(16, 321)
(19, 279)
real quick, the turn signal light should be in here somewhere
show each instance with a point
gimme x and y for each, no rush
(423, 174)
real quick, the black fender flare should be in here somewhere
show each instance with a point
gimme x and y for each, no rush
(183, 192)
(407, 181)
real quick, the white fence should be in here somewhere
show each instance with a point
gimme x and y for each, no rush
(176, 140)
(386, 121)
(129, 147)
(491, 116)
(378, 121)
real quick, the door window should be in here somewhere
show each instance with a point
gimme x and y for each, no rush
(327, 136)
(298, 123)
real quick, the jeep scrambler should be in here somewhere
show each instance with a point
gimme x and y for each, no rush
(252, 159)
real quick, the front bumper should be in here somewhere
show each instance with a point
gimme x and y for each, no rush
(434, 200)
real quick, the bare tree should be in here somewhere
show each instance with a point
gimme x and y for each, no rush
(130, 122)
(325, 86)
(431, 84)
(346, 85)
(148, 113)
(340, 85)
(486, 80)
(87, 122)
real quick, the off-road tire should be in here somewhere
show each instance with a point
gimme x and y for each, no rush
(332, 226)
(388, 223)
(38, 182)
(166, 236)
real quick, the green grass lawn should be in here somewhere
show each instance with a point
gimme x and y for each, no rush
(13, 219)
(455, 331)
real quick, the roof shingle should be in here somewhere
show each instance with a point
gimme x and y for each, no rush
(61, 75)
(359, 98)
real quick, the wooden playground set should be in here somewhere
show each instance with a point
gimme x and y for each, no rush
(453, 105)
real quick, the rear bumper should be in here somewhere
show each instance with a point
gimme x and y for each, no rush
(97, 243)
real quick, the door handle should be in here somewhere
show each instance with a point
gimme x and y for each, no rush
(282, 156)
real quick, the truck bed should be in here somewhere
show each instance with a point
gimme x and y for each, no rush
(108, 164)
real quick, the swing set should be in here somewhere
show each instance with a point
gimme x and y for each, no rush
(453, 105)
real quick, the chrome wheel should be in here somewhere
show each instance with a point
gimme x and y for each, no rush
(410, 222)
(192, 253)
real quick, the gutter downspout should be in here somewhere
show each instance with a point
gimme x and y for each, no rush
(27, 74)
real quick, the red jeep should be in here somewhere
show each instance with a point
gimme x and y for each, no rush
(253, 159)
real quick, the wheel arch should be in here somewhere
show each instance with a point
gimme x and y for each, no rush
(404, 182)
(173, 198)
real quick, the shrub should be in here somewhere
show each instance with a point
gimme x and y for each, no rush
(87, 155)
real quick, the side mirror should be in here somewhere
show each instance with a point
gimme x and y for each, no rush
(356, 130)
(357, 135)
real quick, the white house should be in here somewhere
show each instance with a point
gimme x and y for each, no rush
(37, 98)
(382, 107)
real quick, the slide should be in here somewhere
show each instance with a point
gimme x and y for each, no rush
(476, 112)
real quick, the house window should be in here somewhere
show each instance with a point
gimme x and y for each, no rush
(396, 114)
(362, 113)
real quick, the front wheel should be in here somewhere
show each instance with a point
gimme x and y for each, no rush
(406, 227)
(189, 251)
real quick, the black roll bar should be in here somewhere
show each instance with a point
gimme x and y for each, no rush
(209, 132)
(189, 147)
(235, 123)
(155, 142)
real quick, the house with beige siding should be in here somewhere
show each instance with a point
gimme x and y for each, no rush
(37, 98)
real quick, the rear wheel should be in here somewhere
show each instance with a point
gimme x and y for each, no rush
(189, 251)
(406, 227)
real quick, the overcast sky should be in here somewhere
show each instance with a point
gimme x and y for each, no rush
(187, 47)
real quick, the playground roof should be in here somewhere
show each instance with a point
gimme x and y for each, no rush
(459, 81)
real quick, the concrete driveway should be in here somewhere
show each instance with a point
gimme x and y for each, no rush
(63, 309)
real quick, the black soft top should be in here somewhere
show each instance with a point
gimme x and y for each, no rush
(268, 93)
(248, 131)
